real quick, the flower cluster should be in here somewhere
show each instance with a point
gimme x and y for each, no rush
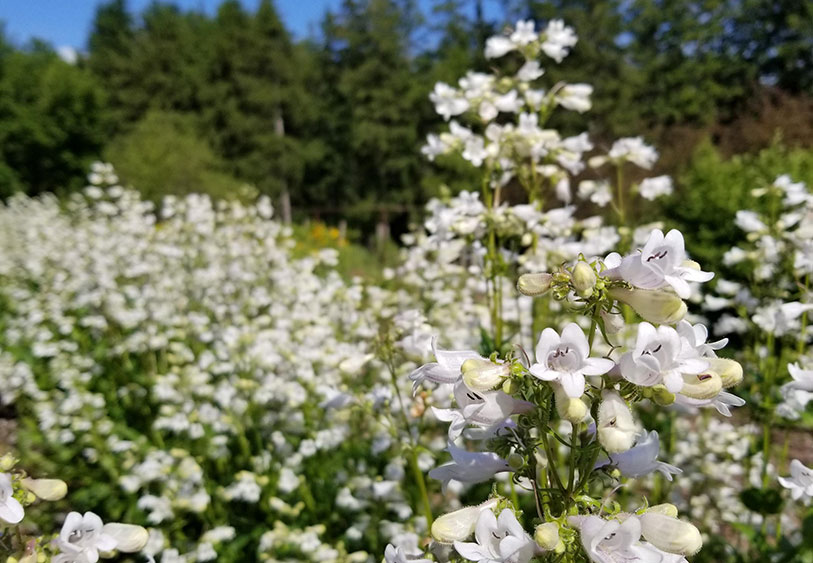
(513, 408)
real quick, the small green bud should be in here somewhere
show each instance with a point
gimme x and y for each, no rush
(547, 536)
(510, 386)
(583, 279)
(661, 396)
(515, 461)
(7, 462)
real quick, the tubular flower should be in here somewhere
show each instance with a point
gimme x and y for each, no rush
(445, 370)
(483, 375)
(670, 534)
(484, 409)
(616, 427)
(660, 356)
(800, 481)
(459, 525)
(611, 541)
(659, 306)
(85, 534)
(642, 459)
(660, 263)
(499, 539)
(469, 467)
(394, 554)
(11, 511)
(566, 359)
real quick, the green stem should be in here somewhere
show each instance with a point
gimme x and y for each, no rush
(619, 186)
(416, 471)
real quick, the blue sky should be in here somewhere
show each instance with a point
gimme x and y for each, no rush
(67, 22)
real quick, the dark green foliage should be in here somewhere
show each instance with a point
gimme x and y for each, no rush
(51, 120)
(712, 189)
(165, 154)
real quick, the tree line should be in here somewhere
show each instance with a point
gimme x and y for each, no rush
(185, 101)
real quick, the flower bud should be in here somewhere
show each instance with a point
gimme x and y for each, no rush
(46, 489)
(613, 322)
(730, 371)
(129, 537)
(547, 536)
(670, 534)
(597, 161)
(459, 525)
(510, 386)
(583, 279)
(483, 375)
(534, 285)
(573, 410)
(616, 427)
(662, 396)
(659, 306)
(515, 461)
(665, 508)
(703, 386)
(7, 462)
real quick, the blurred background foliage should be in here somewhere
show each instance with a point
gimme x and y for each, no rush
(330, 126)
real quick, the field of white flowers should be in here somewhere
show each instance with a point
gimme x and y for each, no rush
(535, 380)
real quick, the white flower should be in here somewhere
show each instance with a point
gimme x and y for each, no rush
(509, 102)
(802, 378)
(469, 467)
(85, 534)
(558, 40)
(634, 150)
(566, 359)
(575, 97)
(499, 539)
(670, 534)
(128, 537)
(660, 356)
(445, 370)
(448, 101)
(524, 33)
(11, 511)
(615, 425)
(652, 188)
(394, 554)
(661, 262)
(499, 46)
(800, 481)
(611, 541)
(598, 192)
(750, 222)
(484, 409)
(475, 151)
(459, 525)
(642, 459)
(530, 71)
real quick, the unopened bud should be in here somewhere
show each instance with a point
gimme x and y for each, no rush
(597, 161)
(613, 322)
(616, 427)
(46, 489)
(510, 386)
(730, 371)
(670, 534)
(583, 279)
(534, 285)
(7, 462)
(665, 508)
(574, 410)
(547, 536)
(129, 537)
(706, 385)
(459, 525)
(483, 375)
(657, 306)
(515, 461)
(662, 396)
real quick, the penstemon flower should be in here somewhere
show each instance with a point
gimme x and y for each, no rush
(800, 482)
(500, 539)
(565, 359)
